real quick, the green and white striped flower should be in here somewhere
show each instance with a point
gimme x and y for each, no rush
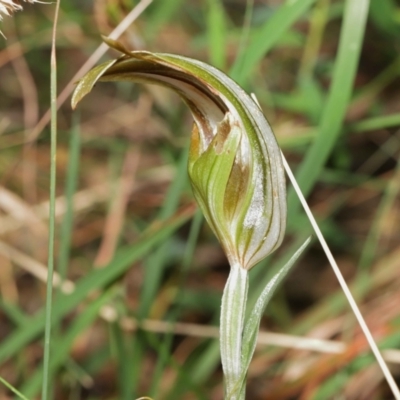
(235, 164)
(237, 176)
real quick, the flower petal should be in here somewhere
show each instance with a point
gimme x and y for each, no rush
(235, 163)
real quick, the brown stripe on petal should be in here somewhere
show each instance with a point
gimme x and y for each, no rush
(136, 64)
(223, 129)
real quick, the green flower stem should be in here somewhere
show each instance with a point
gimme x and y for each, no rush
(231, 329)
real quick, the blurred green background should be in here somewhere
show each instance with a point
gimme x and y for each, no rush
(142, 275)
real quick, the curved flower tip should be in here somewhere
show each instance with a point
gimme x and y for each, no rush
(235, 164)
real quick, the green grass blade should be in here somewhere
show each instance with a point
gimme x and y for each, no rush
(95, 280)
(245, 34)
(384, 15)
(267, 36)
(70, 187)
(165, 348)
(13, 312)
(318, 19)
(198, 369)
(155, 263)
(375, 123)
(13, 389)
(62, 346)
(252, 323)
(216, 26)
(123, 357)
(162, 13)
(351, 39)
(52, 210)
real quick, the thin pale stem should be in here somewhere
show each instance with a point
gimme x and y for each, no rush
(53, 153)
(353, 305)
(374, 348)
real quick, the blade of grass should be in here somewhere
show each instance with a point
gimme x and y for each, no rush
(318, 20)
(353, 305)
(266, 270)
(335, 303)
(194, 232)
(62, 346)
(95, 280)
(360, 319)
(252, 322)
(266, 37)
(162, 13)
(77, 373)
(375, 123)
(70, 187)
(370, 93)
(165, 348)
(13, 312)
(156, 344)
(66, 229)
(333, 386)
(216, 31)
(12, 389)
(123, 355)
(383, 14)
(244, 36)
(155, 264)
(351, 39)
(52, 209)
(198, 369)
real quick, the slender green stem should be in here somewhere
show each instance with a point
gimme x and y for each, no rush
(233, 310)
(318, 20)
(244, 37)
(49, 291)
(13, 389)
(70, 187)
(346, 63)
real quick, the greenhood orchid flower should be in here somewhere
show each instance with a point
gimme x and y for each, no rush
(235, 164)
(237, 176)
